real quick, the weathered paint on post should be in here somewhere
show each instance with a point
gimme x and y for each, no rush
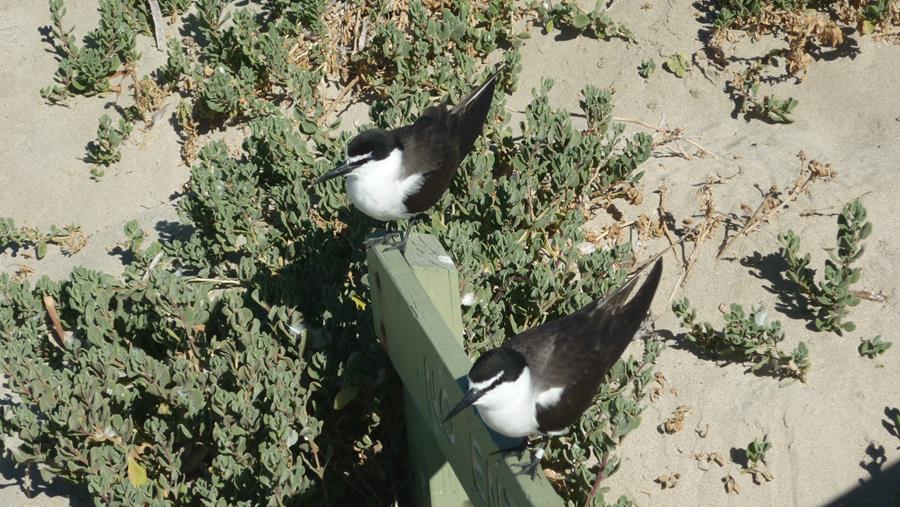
(412, 322)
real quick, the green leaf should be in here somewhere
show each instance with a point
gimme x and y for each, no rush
(580, 20)
(345, 396)
(678, 64)
(458, 31)
(866, 230)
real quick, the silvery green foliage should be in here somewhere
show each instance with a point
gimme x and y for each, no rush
(85, 70)
(873, 347)
(235, 363)
(831, 299)
(88, 69)
(569, 16)
(105, 149)
(19, 237)
(745, 338)
(757, 449)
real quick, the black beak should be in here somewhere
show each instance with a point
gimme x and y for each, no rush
(470, 398)
(334, 173)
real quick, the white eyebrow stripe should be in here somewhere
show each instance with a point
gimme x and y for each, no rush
(357, 158)
(483, 384)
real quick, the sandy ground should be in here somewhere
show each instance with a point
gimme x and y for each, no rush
(849, 116)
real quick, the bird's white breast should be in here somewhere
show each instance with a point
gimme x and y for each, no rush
(509, 408)
(377, 189)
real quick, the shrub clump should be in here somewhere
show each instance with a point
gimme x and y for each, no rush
(747, 338)
(236, 364)
(831, 299)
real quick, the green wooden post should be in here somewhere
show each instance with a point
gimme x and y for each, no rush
(416, 308)
(434, 482)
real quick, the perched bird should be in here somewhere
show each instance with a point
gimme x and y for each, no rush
(540, 381)
(397, 174)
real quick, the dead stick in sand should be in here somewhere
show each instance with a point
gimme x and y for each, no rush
(152, 265)
(678, 136)
(50, 305)
(868, 295)
(773, 202)
(660, 211)
(710, 223)
(159, 25)
(337, 99)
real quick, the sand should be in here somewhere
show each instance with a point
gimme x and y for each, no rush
(849, 116)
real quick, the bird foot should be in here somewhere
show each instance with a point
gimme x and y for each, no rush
(385, 238)
(532, 467)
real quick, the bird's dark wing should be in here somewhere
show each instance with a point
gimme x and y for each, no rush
(428, 151)
(440, 139)
(577, 351)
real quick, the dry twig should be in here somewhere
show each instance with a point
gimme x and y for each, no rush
(773, 201)
(711, 222)
(661, 213)
(50, 305)
(877, 297)
(159, 25)
(337, 99)
(669, 135)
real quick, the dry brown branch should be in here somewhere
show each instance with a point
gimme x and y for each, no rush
(878, 297)
(337, 99)
(711, 221)
(159, 25)
(72, 243)
(153, 263)
(50, 305)
(23, 271)
(661, 214)
(670, 135)
(773, 201)
(800, 29)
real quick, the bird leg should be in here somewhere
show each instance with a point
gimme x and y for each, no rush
(405, 235)
(532, 467)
